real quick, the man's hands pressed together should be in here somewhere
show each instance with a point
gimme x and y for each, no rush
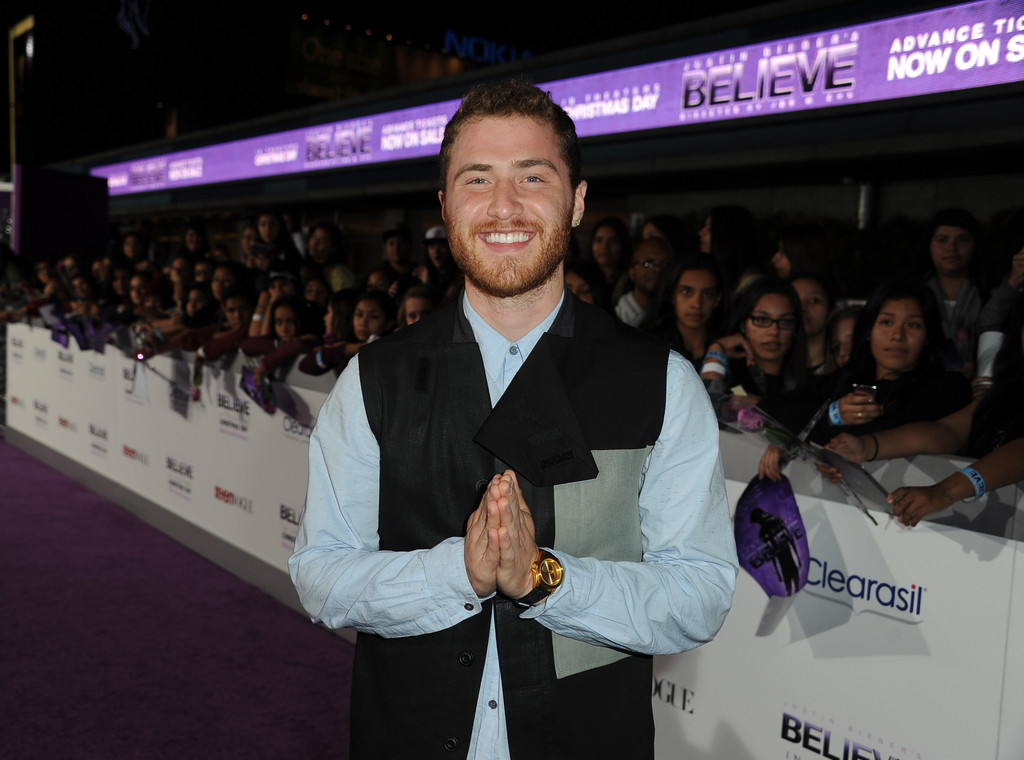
(500, 547)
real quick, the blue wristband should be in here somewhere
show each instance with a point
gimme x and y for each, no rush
(976, 480)
(320, 360)
(720, 355)
(833, 414)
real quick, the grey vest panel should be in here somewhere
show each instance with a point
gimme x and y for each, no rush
(612, 534)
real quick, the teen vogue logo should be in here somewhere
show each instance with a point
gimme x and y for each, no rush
(230, 497)
(135, 455)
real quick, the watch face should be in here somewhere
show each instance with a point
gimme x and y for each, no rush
(550, 572)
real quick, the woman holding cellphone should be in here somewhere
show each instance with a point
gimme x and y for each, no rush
(895, 375)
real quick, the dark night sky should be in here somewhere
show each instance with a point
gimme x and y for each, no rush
(219, 63)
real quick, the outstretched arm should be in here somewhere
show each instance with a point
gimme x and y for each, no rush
(1002, 467)
(945, 436)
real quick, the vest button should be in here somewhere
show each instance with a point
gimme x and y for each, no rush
(451, 744)
(466, 658)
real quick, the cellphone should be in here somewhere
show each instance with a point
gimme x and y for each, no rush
(871, 390)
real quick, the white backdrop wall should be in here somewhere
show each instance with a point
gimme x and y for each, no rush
(835, 672)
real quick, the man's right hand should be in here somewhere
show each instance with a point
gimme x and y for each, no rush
(481, 557)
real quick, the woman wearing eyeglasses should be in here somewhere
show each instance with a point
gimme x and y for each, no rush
(765, 352)
(895, 375)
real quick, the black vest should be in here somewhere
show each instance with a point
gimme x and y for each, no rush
(591, 383)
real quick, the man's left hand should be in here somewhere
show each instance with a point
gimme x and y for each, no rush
(510, 526)
(500, 545)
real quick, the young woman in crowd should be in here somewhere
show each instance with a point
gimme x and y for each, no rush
(418, 302)
(816, 303)
(691, 310)
(990, 430)
(247, 237)
(611, 250)
(841, 326)
(194, 242)
(372, 316)
(325, 247)
(316, 290)
(225, 278)
(291, 334)
(765, 352)
(439, 270)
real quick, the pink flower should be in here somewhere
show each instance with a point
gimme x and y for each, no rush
(750, 420)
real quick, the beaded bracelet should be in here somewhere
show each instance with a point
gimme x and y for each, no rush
(257, 317)
(872, 457)
(976, 480)
(833, 414)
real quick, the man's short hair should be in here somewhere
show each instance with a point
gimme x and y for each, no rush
(514, 98)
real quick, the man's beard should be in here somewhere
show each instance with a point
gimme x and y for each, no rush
(511, 275)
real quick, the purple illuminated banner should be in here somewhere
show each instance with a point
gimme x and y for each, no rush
(413, 133)
(957, 48)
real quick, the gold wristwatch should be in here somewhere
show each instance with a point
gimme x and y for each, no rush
(547, 576)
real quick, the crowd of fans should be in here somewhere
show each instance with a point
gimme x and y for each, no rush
(766, 327)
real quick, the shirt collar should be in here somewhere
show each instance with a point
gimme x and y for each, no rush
(495, 348)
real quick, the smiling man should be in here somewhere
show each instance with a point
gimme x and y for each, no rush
(517, 500)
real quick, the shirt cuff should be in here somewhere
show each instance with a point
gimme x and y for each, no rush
(444, 568)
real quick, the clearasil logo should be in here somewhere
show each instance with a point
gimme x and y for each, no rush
(865, 594)
(293, 427)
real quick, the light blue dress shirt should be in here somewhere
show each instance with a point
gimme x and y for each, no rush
(674, 600)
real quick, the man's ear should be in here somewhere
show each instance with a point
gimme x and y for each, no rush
(578, 206)
(440, 197)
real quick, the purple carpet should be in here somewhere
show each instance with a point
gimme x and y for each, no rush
(117, 642)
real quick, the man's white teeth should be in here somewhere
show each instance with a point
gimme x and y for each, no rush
(507, 237)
